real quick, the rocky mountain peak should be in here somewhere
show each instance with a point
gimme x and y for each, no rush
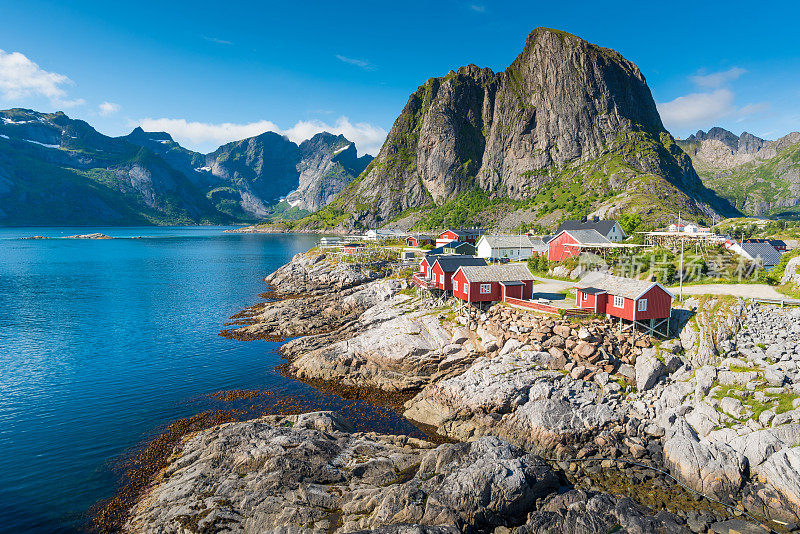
(563, 103)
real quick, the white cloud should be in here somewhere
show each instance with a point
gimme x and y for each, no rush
(717, 79)
(108, 108)
(368, 138)
(478, 8)
(203, 132)
(704, 110)
(21, 78)
(217, 40)
(696, 108)
(360, 63)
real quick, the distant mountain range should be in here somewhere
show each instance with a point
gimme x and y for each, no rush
(759, 177)
(568, 129)
(55, 170)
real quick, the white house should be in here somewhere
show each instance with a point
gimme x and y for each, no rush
(515, 247)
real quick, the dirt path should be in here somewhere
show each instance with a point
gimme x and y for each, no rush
(758, 291)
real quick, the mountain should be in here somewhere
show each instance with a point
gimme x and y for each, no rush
(759, 177)
(55, 170)
(569, 128)
(328, 163)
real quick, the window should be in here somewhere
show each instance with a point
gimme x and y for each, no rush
(642, 305)
(486, 289)
(584, 297)
(619, 302)
(455, 285)
(441, 279)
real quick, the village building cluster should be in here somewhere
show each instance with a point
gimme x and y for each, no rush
(476, 269)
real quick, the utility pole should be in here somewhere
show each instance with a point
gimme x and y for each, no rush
(681, 291)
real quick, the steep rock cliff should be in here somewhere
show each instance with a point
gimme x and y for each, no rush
(565, 113)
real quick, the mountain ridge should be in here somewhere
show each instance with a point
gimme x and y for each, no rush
(760, 177)
(148, 178)
(566, 115)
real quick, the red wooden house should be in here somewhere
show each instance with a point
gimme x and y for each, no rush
(465, 235)
(626, 298)
(445, 267)
(417, 240)
(426, 264)
(492, 283)
(352, 248)
(568, 243)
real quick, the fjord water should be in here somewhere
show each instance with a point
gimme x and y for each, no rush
(104, 342)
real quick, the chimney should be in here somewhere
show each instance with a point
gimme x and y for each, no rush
(596, 218)
(583, 219)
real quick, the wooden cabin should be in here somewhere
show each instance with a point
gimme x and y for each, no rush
(446, 266)
(568, 243)
(465, 235)
(352, 248)
(626, 298)
(418, 240)
(492, 283)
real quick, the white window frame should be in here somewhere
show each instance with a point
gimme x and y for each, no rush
(486, 289)
(619, 302)
(641, 305)
(455, 285)
(441, 278)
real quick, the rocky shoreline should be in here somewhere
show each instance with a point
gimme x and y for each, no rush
(717, 408)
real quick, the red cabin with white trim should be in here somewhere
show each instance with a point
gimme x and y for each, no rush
(566, 243)
(492, 283)
(419, 240)
(465, 235)
(446, 266)
(352, 248)
(626, 298)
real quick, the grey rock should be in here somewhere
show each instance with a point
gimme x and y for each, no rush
(289, 473)
(648, 369)
(581, 512)
(711, 468)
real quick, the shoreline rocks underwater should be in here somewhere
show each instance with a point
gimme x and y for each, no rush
(538, 424)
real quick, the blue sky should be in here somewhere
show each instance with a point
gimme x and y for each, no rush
(211, 72)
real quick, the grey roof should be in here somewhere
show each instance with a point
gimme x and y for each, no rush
(767, 253)
(457, 244)
(451, 262)
(588, 236)
(604, 227)
(421, 236)
(617, 285)
(511, 272)
(466, 231)
(432, 258)
(515, 241)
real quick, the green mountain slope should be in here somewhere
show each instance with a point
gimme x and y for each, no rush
(759, 177)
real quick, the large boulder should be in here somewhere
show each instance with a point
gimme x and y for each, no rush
(781, 472)
(517, 398)
(648, 369)
(714, 469)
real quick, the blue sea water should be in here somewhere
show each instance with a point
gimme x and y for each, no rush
(105, 342)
